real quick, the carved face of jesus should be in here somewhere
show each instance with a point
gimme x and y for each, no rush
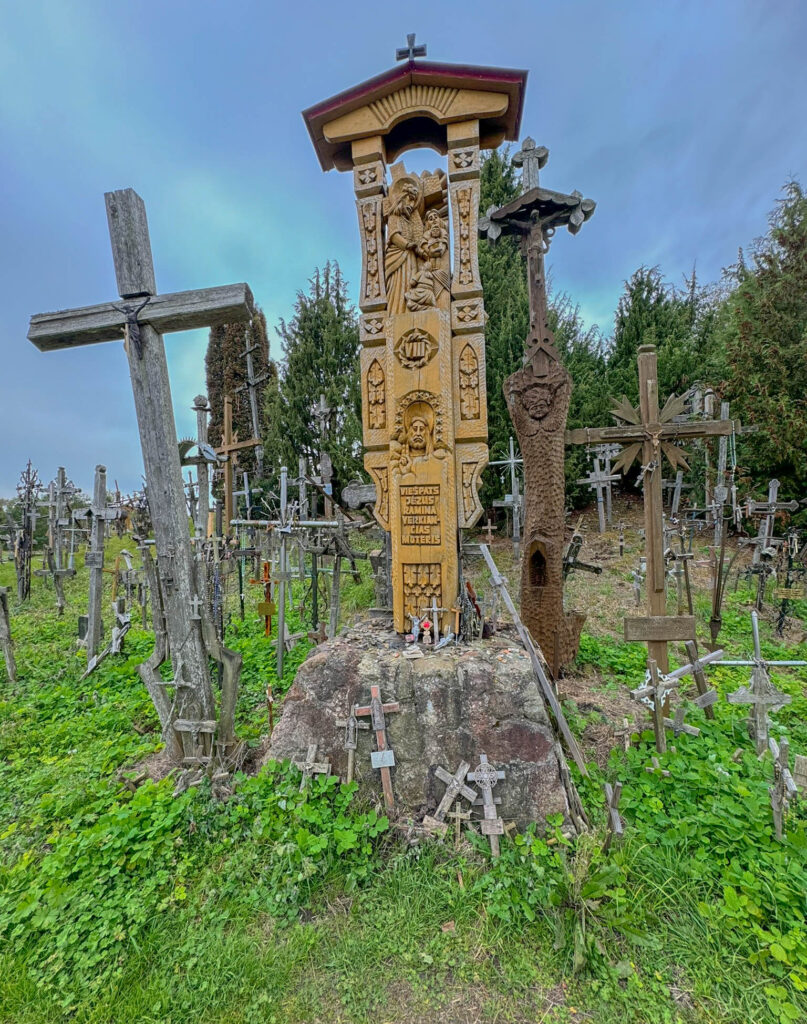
(417, 435)
(408, 200)
(539, 397)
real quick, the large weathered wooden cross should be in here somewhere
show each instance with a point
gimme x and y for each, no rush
(228, 448)
(140, 319)
(651, 434)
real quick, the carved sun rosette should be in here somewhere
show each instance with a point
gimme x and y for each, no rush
(415, 348)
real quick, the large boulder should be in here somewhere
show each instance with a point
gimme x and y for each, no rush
(455, 704)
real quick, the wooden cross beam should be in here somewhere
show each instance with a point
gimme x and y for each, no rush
(310, 766)
(383, 757)
(486, 777)
(139, 319)
(651, 434)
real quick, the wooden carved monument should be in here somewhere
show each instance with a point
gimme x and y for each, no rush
(424, 402)
(538, 397)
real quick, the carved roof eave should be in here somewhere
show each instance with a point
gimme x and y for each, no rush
(553, 209)
(494, 129)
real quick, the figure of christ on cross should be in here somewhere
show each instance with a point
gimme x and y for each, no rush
(651, 433)
(139, 320)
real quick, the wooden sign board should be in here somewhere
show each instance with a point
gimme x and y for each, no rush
(267, 608)
(659, 627)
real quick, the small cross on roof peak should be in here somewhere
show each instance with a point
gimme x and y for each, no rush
(410, 51)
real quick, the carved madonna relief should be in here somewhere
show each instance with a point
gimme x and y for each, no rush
(416, 258)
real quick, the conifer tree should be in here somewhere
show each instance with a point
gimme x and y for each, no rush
(765, 334)
(320, 356)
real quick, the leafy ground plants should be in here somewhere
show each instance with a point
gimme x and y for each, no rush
(286, 906)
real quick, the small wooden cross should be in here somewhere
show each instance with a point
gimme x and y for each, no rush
(383, 757)
(762, 694)
(455, 786)
(599, 480)
(614, 822)
(489, 528)
(486, 777)
(531, 159)
(310, 766)
(410, 51)
(784, 790)
(351, 725)
(459, 816)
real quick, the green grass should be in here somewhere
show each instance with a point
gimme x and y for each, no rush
(121, 907)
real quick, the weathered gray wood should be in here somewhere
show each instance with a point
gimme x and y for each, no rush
(5, 637)
(643, 628)
(178, 311)
(131, 245)
(96, 563)
(486, 777)
(625, 435)
(202, 409)
(537, 667)
(194, 697)
(310, 766)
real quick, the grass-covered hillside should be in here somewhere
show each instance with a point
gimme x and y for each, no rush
(122, 903)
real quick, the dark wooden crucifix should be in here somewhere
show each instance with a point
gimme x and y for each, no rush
(139, 319)
(651, 434)
(538, 401)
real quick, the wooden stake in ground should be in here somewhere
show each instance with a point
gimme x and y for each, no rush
(486, 777)
(537, 666)
(138, 319)
(651, 434)
(614, 822)
(784, 790)
(383, 757)
(6, 642)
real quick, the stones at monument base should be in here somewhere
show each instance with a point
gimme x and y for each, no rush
(454, 704)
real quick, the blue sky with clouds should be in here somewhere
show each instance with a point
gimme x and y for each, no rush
(681, 119)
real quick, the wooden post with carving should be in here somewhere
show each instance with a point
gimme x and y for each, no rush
(424, 403)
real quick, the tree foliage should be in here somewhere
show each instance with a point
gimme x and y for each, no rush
(320, 356)
(226, 368)
(765, 329)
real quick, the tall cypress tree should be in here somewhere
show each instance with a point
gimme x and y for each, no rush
(320, 356)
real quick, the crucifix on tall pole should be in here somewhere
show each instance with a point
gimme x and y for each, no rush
(322, 413)
(538, 397)
(651, 434)
(140, 318)
(251, 387)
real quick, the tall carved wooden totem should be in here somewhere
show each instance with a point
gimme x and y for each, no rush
(424, 402)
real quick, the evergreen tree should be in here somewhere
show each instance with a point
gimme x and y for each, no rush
(765, 334)
(320, 356)
(226, 371)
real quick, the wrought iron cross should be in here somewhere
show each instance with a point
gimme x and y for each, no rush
(410, 51)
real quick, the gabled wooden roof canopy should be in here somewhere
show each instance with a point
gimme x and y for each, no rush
(412, 103)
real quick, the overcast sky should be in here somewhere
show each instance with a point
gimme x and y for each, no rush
(682, 120)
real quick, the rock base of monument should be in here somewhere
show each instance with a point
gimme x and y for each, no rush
(455, 704)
